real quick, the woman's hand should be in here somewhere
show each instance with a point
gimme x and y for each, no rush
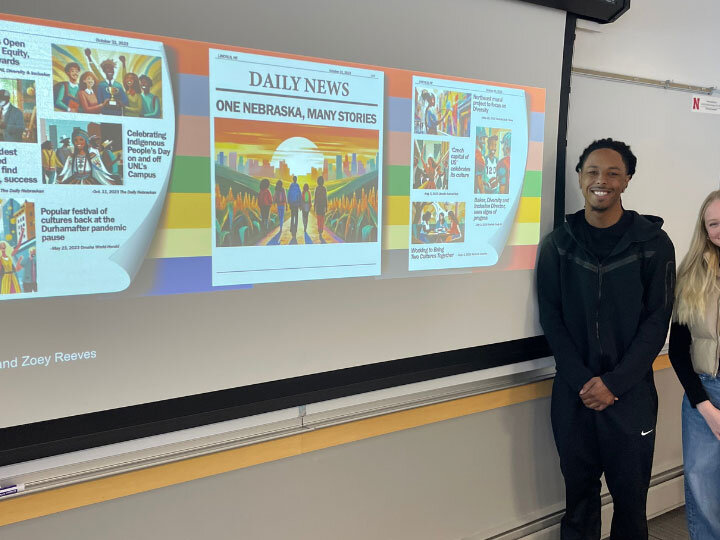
(711, 415)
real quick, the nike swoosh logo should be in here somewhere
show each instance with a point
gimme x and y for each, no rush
(643, 433)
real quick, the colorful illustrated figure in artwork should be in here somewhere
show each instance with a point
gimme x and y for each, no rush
(442, 112)
(87, 94)
(9, 283)
(111, 90)
(430, 164)
(265, 201)
(85, 166)
(430, 115)
(425, 227)
(12, 124)
(65, 92)
(50, 162)
(94, 157)
(441, 224)
(131, 83)
(268, 174)
(18, 112)
(306, 205)
(294, 199)
(150, 102)
(111, 158)
(503, 168)
(490, 182)
(434, 117)
(480, 142)
(454, 234)
(64, 151)
(320, 206)
(30, 274)
(280, 200)
(430, 225)
(120, 84)
(492, 167)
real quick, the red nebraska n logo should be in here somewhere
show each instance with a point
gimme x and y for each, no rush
(696, 104)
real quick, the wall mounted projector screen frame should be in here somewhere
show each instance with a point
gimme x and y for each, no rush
(429, 341)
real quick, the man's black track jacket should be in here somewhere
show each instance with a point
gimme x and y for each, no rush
(606, 318)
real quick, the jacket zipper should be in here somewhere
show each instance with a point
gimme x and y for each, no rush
(597, 312)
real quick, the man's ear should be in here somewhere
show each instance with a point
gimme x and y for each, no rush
(627, 182)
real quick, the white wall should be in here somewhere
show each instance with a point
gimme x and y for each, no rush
(678, 160)
(658, 39)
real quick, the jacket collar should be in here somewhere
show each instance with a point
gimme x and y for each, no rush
(642, 229)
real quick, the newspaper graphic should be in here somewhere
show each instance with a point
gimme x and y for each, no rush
(296, 169)
(86, 142)
(464, 193)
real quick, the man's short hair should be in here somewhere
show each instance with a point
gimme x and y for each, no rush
(71, 65)
(107, 63)
(620, 147)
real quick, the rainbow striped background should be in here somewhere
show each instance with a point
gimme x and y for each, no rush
(180, 255)
(183, 241)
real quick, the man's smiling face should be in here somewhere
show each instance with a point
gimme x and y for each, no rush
(603, 178)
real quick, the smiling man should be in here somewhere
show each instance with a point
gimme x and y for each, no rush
(605, 283)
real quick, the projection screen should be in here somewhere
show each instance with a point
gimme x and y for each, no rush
(266, 199)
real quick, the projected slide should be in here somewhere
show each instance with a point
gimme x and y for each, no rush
(87, 130)
(464, 193)
(296, 169)
(284, 168)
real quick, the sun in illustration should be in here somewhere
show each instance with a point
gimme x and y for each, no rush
(300, 155)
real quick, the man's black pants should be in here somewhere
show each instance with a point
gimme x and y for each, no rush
(619, 442)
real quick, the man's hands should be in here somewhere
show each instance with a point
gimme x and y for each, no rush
(711, 415)
(595, 395)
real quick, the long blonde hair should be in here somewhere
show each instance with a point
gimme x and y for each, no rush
(698, 271)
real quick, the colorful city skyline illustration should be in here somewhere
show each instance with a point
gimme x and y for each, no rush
(442, 112)
(334, 199)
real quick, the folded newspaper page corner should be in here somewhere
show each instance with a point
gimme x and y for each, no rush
(87, 129)
(464, 193)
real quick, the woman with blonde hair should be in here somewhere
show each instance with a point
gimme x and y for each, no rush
(694, 349)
